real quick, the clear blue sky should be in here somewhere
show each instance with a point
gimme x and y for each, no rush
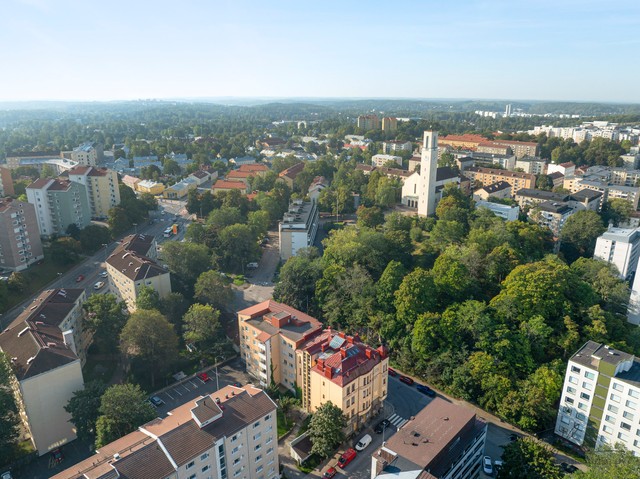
(512, 49)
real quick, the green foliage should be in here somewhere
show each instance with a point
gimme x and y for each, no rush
(226, 216)
(105, 319)
(92, 237)
(148, 298)
(298, 278)
(84, 407)
(608, 462)
(213, 289)
(579, 234)
(616, 211)
(370, 217)
(64, 251)
(528, 458)
(186, 261)
(238, 246)
(9, 419)
(123, 408)
(202, 326)
(326, 429)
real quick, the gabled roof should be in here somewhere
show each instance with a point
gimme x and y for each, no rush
(134, 266)
(292, 171)
(229, 185)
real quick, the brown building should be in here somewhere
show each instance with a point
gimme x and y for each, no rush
(20, 243)
(489, 176)
(389, 124)
(6, 183)
(494, 148)
(368, 122)
(225, 185)
(462, 142)
(289, 175)
(520, 148)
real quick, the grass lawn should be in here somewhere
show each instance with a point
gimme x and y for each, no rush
(310, 464)
(283, 424)
(36, 278)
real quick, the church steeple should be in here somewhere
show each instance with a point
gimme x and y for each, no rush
(428, 167)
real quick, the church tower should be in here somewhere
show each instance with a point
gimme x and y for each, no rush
(428, 167)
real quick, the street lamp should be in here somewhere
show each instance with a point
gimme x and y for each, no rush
(136, 226)
(217, 381)
(105, 250)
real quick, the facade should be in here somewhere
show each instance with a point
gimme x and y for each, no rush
(389, 124)
(506, 212)
(381, 160)
(532, 164)
(493, 148)
(390, 147)
(600, 397)
(580, 200)
(225, 185)
(442, 441)
(566, 169)
(318, 184)
(290, 174)
(520, 148)
(180, 189)
(620, 247)
(231, 433)
(87, 154)
(428, 173)
(129, 270)
(149, 186)
(58, 204)
(298, 228)
(6, 183)
(609, 190)
(38, 161)
(552, 215)
(339, 368)
(466, 142)
(368, 122)
(501, 189)
(20, 244)
(45, 345)
(489, 176)
(270, 334)
(101, 186)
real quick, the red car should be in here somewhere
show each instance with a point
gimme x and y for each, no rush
(348, 456)
(329, 473)
(392, 372)
(79, 278)
(406, 380)
(204, 377)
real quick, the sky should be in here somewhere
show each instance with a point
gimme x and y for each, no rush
(139, 49)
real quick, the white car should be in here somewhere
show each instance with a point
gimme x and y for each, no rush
(487, 466)
(104, 274)
(98, 285)
(363, 442)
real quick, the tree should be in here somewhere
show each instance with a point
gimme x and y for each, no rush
(326, 429)
(297, 281)
(147, 298)
(389, 283)
(64, 250)
(416, 295)
(173, 306)
(149, 201)
(213, 289)
(238, 246)
(580, 232)
(544, 182)
(202, 326)
(9, 419)
(187, 261)
(118, 220)
(171, 167)
(92, 237)
(17, 282)
(528, 458)
(105, 319)
(616, 211)
(151, 339)
(123, 408)
(259, 222)
(84, 407)
(608, 462)
(370, 217)
(223, 217)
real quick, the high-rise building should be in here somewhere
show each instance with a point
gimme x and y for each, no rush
(58, 204)
(6, 183)
(389, 124)
(621, 248)
(507, 110)
(46, 345)
(231, 433)
(87, 154)
(600, 401)
(101, 186)
(20, 243)
(368, 122)
(428, 167)
(298, 228)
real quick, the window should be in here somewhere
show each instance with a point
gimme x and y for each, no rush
(258, 447)
(269, 451)
(573, 380)
(571, 390)
(256, 424)
(204, 456)
(615, 398)
(632, 405)
(565, 420)
(191, 464)
(234, 438)
(607, 429)
(257, 436)
(585, 396)
(206, 468)
(612, 408)
(259, 469)
(235, 449)
(582, 406)
(575, 369)
(625, 426)
(587, 386)
(618, 387)
(581, 416)
(610, 419)
(589, 375)
(192, 476)
(622, 436)
(634, 394)
(627, 415)
(236, 461)
(568, 400)
(259, 458)
(267, 417)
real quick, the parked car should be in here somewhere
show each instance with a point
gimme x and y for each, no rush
(381, 426)
(98, 285)
(568, 468)
(252, 265)
(426, 390)
(329, 473)
(104, 274)
(156, 401)
(392, 372)
(487, 465)
(363, 442)
(57, 455)
(79, 278)
(204, 377)
(406, 380)
(497, 464)
(348, 456)
(6, 475)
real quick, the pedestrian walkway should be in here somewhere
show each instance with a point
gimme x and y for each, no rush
(398, 421)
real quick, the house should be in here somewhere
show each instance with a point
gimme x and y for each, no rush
(552, 215)
(566, 169)
(225, 185)
(382, 160)
(180, 189)
(532, 164)
(130, 181)
(202, 176)
(318, 184)
(442, 441)
(46, 345)
(557, 179)
(152, 187)
(501, 189)
(506, 212)
(289, 175)
(230, 433)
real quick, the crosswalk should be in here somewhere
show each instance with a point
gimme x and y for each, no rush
(398, 421)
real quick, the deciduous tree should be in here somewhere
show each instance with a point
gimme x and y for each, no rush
(326, 429)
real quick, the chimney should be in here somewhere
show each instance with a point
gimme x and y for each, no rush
(343, 353)
(328, 372)
(368, 353)
(323, 347)
(350, 339)
(341, 334)
(321, 363)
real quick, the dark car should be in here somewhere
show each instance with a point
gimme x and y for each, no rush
(568, 468)
(57, 456)
(392, 372)
(79, 278)
(406, 380)
(156, 401)
(381, 426)
(348, 456)
(426, 390)
(514, 437)
(329, 473)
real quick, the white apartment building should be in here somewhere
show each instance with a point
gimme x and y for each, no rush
(620, 247)
(229, 434)
(298, 228)
(600, 401)
(87, 154)
(381, 160)
(532, 165)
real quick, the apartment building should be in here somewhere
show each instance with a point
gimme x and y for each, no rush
(46, 346)
(552, 215)
(382, 160)
(229, 434)
(501, 189)
(141, 244)
(493, 148)
(340, 368)
(620, 176)
(465, 142)
(20, 244)
(87, 154)
(225, 185)
(581, 200)
(620, 247)
(520, 149)
(442, 441)
(600, 401)
(368, 122)
(128, 271)
(270, 334)
(506, 212)
(489, 176)
(59, 203)
(389, 124)
(390, 147)
(149, 186)
(532, 164)
(298, 228)
(6, 183)
(566, 169)
(101, 186)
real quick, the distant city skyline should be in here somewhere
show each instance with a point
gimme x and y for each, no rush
(80, 51)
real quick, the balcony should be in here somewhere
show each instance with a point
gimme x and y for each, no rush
(263, 357)
(263, 375)
(262, 346)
